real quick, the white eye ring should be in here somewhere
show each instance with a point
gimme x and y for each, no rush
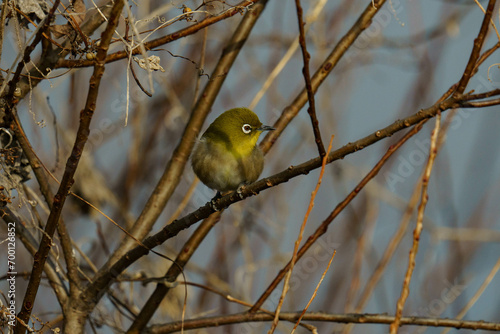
(246, 128)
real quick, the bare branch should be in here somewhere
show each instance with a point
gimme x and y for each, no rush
(419, 226)
(307, 78)
(480, 104)
(317, 316)
(478, 44)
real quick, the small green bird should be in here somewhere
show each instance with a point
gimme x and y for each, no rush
(227, 155)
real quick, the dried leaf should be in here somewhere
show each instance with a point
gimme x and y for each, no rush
(154, 63)
(79, 10)
(60, 30)
(36, 10)
(75, 18)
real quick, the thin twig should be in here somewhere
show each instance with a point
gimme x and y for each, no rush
(307, 78)
(480, 104)
(139, 46)
(486, 54)
(478, 293)
(480, 96)
(56, 136)
(286, 285)
(137, 81)
(201, 66)
(369, 219)
(286, 57)
(364, 21)
(419, 226)
(314, 293)
(491, 20)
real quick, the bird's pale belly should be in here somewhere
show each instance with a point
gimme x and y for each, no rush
(222, 171)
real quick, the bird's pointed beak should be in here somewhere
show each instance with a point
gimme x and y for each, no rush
(266, 128)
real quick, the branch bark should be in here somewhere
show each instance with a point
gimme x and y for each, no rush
(476, 49)
(307, 78)
(239, 318)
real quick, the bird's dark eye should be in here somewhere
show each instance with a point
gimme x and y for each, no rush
(246, 128)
